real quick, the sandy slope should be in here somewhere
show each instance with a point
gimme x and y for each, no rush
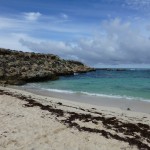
(36, 122)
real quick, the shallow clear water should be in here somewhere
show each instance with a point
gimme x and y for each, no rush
(131, 84)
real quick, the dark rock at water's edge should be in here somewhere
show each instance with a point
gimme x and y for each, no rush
(18, 68)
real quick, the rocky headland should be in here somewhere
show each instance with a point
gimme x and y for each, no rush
(17, 67)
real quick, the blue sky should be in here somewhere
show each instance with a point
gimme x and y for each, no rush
(100, 33)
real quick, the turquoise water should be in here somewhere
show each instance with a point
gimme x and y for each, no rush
(130, 84)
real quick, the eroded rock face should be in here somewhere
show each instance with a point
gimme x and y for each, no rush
(18, 67)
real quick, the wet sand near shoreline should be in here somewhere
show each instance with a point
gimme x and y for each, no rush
(121, 103)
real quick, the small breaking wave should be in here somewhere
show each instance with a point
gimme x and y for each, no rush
(59, 91)
(96, 94)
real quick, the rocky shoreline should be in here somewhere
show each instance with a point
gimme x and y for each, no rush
(18, 68)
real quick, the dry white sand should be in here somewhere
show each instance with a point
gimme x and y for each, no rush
(31, 128)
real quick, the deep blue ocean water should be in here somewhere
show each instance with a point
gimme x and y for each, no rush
(130, 84)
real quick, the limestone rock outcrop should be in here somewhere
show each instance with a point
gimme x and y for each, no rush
(18, 67)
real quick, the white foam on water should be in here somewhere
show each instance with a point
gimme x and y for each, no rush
(34, 85)
(96, 94)
(59, 91)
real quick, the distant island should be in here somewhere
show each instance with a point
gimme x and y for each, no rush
(18, 68)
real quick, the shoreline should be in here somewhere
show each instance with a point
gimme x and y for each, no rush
(121, 103)
(32, 121)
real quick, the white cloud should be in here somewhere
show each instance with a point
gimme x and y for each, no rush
(118, 43)
(138, 4)
(10, 23)
(54, 47)
(115, 42)
(11, 41)
(32, 16)
(28, 23)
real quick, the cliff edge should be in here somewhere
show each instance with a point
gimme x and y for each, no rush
(17, 67)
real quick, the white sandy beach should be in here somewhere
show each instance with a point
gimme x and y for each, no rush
(34, 122)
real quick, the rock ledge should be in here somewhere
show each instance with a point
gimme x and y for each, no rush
(17, 67)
